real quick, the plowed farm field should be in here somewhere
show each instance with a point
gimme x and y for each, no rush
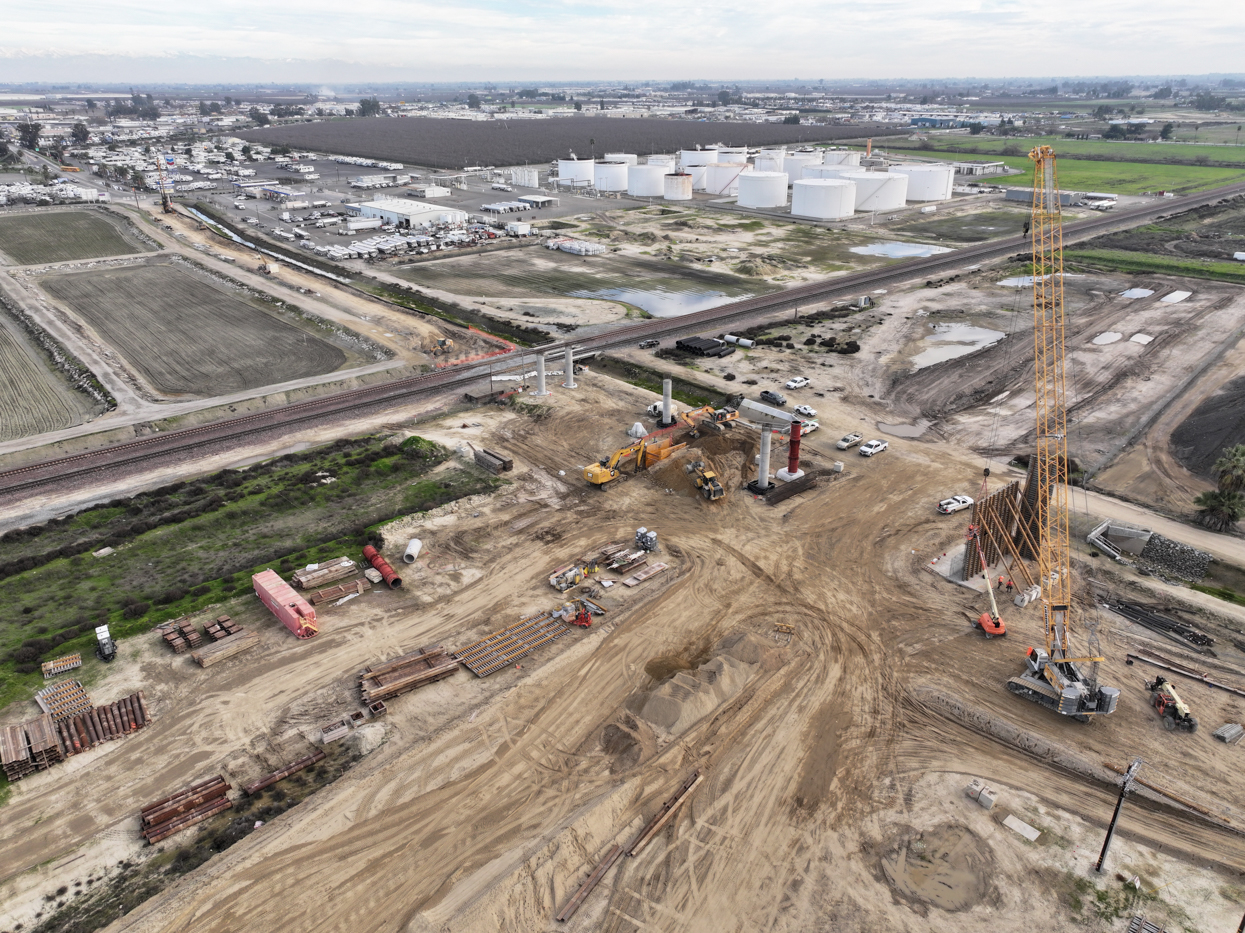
(31, 400)
(186, 335)
(455, 143)
(62, 236)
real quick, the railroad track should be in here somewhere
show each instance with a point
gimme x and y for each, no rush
(80, 466)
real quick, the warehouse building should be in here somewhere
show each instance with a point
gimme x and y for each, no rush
(409, 213)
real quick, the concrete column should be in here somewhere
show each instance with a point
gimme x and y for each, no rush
(540, 375)
(569, 367)
(665, 402)
(763, 467)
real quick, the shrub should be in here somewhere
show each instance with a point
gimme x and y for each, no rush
(27, 668)
(134, 610)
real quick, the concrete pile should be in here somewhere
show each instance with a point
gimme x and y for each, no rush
(1165, 556)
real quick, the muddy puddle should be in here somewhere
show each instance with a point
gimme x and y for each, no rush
(954, 340)
(944, 867)
(662, 302)
(899, 250)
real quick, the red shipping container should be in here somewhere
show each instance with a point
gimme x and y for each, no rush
(295, 613)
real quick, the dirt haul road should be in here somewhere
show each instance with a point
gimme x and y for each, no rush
(492, 799)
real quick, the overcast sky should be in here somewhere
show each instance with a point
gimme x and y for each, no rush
(463, 40)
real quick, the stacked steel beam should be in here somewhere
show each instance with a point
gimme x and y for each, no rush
(1164, 625)
(222, 628)
(337, 592)
(61, 665)
(491, 654)
(184, 809)
(327, 572)
(401, 675)
(63, 700)
(236, 643)
(29, 747)
(293, 768)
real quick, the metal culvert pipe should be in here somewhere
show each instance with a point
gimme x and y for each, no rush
(413, 547)
(372, 556)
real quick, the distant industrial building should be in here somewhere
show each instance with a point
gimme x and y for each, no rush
(393, 211)
(980, 167)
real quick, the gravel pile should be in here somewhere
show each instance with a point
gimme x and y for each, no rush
(1165, 556)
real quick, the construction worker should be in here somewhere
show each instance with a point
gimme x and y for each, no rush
(999, 586)
(1009, 587)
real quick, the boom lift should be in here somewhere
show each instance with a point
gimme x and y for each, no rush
(1053, 677)
(1175, 711)
(989, 622)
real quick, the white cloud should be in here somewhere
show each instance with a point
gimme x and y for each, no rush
(486, 39)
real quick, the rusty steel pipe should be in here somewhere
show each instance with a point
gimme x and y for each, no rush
(138, 711)
(142, 701)
(99, 726)
(793, 449)
(372, 556)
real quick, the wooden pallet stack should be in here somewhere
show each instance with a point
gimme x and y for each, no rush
(101, 724)
(63, 700)
(491, 654)
(241, 640)
(293, 768)
(337, 592)
(184, 809)
(29, 747)
(318, 575)
(222, 628)
(492, 461)
(180, 635)
(401, 675)
(58, 666)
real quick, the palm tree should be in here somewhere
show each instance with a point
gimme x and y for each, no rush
(1231, 469)
(1219, 510)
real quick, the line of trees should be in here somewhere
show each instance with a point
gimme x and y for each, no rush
(1222, 508)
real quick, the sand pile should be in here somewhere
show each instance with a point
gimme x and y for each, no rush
(688, 696)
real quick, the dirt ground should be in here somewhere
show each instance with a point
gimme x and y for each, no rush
(834, 762)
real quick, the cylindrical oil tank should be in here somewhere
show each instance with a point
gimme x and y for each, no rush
(646, 181)
(690, 157)
(678, 187)
(666, 160)
(732, 154)
(629, 157)
(927, 182)
(768, 163)
(823, 198)
(829, 171)
(840, 157)
(793, 164)
(722, 178)
(763, 189)
(575, 170)
(879, 191)
(699, 173)
(610, 176)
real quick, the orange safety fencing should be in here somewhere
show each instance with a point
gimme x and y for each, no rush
(508, 347)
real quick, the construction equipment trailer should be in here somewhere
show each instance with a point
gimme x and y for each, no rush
(1053, 677)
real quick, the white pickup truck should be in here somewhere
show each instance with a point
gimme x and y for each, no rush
(954, 504)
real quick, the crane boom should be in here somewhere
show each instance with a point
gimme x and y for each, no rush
(1053, 677)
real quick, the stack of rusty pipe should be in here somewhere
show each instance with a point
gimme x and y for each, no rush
(184, 809)
(103, 723)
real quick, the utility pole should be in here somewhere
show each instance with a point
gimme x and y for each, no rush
(1125, 786)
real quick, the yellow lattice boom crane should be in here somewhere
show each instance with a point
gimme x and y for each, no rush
(1053, 677)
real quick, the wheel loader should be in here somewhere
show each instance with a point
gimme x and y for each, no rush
(706, 480)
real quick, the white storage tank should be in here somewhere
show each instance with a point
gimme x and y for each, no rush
(768, 163)
(678, 187)
(763, 189)
(927, 182)
(840, 157)
(731, 154)
(879, 191)
(699, 173)
(629, 157)
(823, 198)
(610, 176)
(794, 163)
(666, 160)
(575, 170)
(690, 157)
(646, 181)
(723, 177)
(829, 171)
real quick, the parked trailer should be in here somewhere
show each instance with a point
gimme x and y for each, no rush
(295, 613)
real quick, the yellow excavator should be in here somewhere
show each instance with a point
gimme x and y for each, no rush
(715, 419)
(706, 480)
(598, 474)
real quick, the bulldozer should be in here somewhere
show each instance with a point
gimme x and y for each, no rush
(706, 480)
(1175, 711)
(443, 346)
